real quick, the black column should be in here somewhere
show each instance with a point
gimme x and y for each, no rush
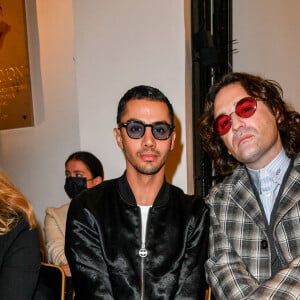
(211, 23)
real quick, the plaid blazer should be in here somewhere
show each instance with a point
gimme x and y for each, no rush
(239, 264)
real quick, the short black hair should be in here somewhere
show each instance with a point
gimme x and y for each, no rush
(144, 92)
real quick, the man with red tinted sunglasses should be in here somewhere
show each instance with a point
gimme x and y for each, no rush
(254, 140)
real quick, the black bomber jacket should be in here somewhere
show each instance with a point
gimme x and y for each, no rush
(103, 244)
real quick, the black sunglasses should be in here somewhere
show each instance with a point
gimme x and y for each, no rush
(136, 129)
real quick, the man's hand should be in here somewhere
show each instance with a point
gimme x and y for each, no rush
(67, 270)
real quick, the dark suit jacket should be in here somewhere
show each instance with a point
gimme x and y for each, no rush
(19, 262)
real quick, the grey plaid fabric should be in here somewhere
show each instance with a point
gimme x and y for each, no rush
(239, 264)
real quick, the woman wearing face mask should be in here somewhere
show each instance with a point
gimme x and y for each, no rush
(83, 170)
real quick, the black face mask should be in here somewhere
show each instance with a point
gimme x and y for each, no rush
(74, 186)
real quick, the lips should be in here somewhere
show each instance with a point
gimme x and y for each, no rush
(243, 138)
(148, 156)
(242, 135)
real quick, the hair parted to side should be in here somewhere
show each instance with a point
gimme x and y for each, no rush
(143, 92)
(270, 92)
(13, 206)
(93, 164)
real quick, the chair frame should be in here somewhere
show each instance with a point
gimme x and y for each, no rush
(63, 277)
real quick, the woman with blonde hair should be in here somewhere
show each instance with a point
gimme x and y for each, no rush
(19, 244)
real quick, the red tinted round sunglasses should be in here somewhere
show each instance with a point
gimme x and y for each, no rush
(244, 108)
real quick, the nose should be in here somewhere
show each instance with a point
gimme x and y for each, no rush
(236, 122)
(148, 138)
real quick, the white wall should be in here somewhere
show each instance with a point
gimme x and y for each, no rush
(120, 44)
(34, 157)
(268, 35)
(84, 56)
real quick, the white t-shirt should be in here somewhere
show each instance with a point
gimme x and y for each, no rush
(144, 214)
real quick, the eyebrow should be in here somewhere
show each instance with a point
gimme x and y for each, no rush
(138, 120)
(75, 171)
(221, 114)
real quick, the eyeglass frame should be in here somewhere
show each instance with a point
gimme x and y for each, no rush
(256, 99)
(125, 125)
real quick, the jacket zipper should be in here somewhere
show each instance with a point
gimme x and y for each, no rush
(143, 253)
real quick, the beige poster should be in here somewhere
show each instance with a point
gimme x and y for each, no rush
(15, 88)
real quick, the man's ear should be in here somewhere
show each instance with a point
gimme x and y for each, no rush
(118, 137)
(173, 138)
(278, 116)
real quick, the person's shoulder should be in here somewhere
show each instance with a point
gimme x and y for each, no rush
(227, 185)
(22, 225)
(106, 186)
(92, 199)
(21, 236)
(232, 179)
(176, 190)
(55, 210)
(297, 160)
(295, 170)
(189, 199)
(96, 193)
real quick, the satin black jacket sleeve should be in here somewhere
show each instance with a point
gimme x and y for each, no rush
(85, 256)
(20, 262)
(192, 282)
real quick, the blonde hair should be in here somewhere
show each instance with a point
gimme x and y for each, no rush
(13, 205)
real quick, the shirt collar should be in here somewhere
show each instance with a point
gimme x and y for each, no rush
(275, 170)
(127, 195)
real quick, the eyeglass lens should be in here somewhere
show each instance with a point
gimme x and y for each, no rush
(136, 129)
(245, 108)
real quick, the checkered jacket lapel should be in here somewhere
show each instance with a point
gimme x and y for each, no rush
(291, 193)
(243, 196)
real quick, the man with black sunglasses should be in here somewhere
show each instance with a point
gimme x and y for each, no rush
(253, 138)
(138, 237)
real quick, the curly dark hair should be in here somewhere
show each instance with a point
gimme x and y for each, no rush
(268, 91)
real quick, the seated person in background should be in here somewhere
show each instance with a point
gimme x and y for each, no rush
(254, 138)
(83, 170)
(19, 244)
